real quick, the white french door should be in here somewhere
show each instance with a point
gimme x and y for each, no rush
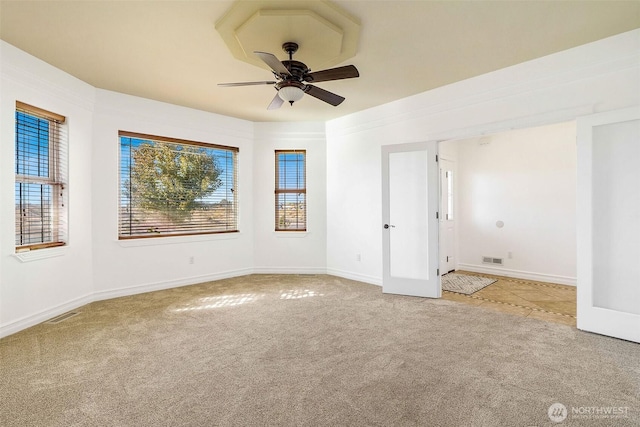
(410, 227)
(608, 217)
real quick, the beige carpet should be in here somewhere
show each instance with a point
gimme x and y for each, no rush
(270, 350)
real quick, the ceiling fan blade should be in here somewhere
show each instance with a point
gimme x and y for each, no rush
(324, 95)
(273, 62)
(346, 72)
(246, 84)
(275, 103)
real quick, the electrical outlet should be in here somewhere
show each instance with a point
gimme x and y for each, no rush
(358, 257)
(192, 260)
(510, 255)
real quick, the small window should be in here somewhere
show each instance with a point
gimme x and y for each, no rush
(449, 184)
(291, 191)
(172, 187)
(40, 180)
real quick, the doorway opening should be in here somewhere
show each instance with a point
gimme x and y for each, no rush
(508, 212)
(538, 300)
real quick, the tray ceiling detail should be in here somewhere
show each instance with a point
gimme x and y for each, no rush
(326, 34)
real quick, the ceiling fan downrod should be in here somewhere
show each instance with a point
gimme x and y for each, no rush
(290, 48)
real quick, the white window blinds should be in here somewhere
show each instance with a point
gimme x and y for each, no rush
(291, 190)
(40, 178)
(172, 187)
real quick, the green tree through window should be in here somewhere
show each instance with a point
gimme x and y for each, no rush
(170, 188)
(172, 180)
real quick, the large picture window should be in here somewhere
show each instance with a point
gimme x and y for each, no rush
(40, 179)
(291, 190)
(172, 187)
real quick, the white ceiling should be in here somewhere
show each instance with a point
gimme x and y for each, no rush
(170, 50)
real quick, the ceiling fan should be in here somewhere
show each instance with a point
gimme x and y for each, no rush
(293, 78)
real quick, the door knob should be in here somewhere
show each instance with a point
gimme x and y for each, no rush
(387, 226)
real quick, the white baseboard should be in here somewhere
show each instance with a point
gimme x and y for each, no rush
(159, 286)
(34, 319)
(355, 276)
(289, 270)
(517, 274)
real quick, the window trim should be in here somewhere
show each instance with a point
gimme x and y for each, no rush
(171, 140)
(128, 134)
(155, 236)
(54, 117)
(278, 191)
(55, 179)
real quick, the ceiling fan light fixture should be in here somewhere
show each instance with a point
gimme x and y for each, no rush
(291, 94)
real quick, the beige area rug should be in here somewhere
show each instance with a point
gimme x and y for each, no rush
(270, 350)
(464, 283)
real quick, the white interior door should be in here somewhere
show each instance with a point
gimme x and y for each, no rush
(410, 227)
(609, 224)
(447, 217)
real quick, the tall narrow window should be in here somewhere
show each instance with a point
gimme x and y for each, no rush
(449, 184)
(40, 168)
(171, 187)
(291, 191)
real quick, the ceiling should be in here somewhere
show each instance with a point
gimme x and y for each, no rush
(170, 51)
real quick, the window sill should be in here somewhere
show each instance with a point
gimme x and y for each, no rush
(172, 240)
(38, 254)
(291, 234)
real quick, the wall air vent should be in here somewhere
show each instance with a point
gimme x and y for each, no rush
(491, 260)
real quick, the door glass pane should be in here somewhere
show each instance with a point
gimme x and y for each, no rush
(408, 215)
(616, 216)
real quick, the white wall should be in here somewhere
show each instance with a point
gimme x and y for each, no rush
(44, 283)
(600, 76)
(448, 150)
(94, 265)
(526, 179)
(126, 267)
(289, 252)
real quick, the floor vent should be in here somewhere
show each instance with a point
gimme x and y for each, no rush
(491, 260)
(62, 317)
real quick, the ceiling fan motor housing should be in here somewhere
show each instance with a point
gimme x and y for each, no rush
(296, 68)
